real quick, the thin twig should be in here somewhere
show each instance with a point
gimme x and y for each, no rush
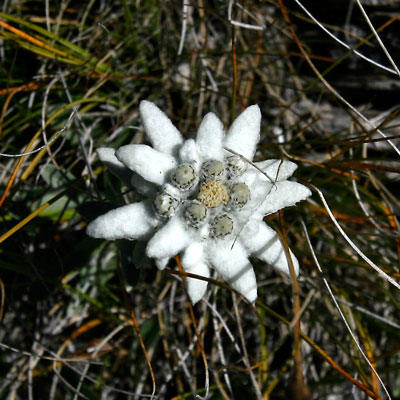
(331, 295)
(328, 86)
(383, 274)
(244, 349)
(348, 47)
(365, 15)
(55, 137)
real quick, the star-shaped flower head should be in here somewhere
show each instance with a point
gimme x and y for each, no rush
(204, 200)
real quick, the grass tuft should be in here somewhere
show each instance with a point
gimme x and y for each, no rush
(85, 318)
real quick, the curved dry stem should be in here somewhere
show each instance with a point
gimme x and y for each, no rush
(382, 273)
(333, 298)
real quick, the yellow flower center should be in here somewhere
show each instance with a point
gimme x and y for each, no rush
(212, 193)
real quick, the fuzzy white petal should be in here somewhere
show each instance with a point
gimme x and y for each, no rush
(259, 192)
(267, 197)
(233, 265)
(151, 164)
(168, 241)
(188, 152)
(172, 190)
(244, 133)
(161, 263)
(133, 221)
(263, 242)
(159, 129)
(283, 194)
(277, 170)
(193, 261)
(108, 158)
(142, 186)
(210, 138)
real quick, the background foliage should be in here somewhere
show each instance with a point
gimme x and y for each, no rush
(77, 313)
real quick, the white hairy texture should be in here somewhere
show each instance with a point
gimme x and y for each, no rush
(133, 221)
(244, 134)
(193, 261)
(168, 241)
(188, 153)
(283, 194)
(142, 186)
(108, 158)
(233, 265)
(207, 240)
(159, 129)
(262, 241)
(272, 171)
(277, 170)
(162, 262)
(152, 165)
(210, 138)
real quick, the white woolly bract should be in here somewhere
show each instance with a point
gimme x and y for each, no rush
(151, 172)
(151, 164)
(159, 129)
(244, 134)
(210, 138)
(108, 158)
(277, 170)
(234, 266)
(262, 242)
(283, 194)
(133, 221)
(188, 153)
(193, 261)
(169, 240)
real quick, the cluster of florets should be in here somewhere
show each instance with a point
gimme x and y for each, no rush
(205, 196)
(205, 199)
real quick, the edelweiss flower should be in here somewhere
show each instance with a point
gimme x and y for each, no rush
(202, 201)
